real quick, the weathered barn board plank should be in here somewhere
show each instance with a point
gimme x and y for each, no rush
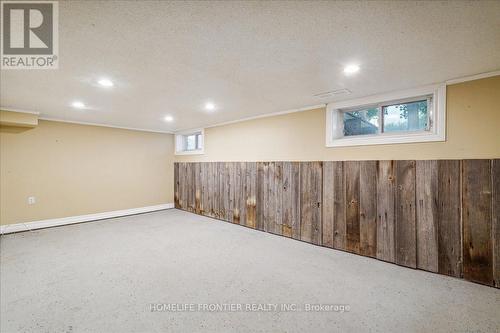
(242, 206)
(386, 213)
(181, 183)
(291, 200)
(226, 176)
(184, 185)
(269, 202)
(476, 212)
(176, 186)
(229, 189)
(427, 210)
(216, 200)
(495, 175)
(272, 205)
(328, 218)
(221, 212)
(202, 179)
(243, 203)
(205, 192)
(184, 194)
(212, 188)
(265, 203)
(368, 208)
(278, 200)
(352, 205)
(197, 187)
(261, 195)
(405, 227)
(222, 191)
(339, 206)
(236, 193)
(207, 205)
(228, 213)
(310, 201)
(188, 186)
(250, 194)
(270, 198)
(191, 188)
(449, 218)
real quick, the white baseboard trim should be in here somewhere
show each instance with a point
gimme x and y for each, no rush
(11, 228)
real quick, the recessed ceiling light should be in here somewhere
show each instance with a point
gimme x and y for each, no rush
(209, 106)
(351, 69)
(78, 105)
(168, 119)
(105, 83)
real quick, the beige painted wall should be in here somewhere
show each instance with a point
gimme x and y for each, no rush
(473, 131)
(78, 169)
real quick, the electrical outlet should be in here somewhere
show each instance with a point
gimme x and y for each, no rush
(31, 200)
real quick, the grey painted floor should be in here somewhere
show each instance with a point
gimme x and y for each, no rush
(103, 276)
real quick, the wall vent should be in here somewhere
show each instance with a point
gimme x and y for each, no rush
(333, 93)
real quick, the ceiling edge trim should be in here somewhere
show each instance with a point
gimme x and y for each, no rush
(267, 115)
(103, 125)
(473, 77)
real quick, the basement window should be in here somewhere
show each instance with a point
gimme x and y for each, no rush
(189, 142)
(416, 115)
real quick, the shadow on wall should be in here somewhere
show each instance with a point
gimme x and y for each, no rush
(14, 129)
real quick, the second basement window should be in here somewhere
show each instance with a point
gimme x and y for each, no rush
(399, 116)
(416, 115)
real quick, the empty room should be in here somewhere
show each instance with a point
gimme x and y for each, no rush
(249, 166)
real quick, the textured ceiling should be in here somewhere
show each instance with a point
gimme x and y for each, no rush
(249, 58)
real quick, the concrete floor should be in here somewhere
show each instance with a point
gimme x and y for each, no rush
(103, 277)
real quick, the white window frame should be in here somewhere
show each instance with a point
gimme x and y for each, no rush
(180, 142)
(437, 132)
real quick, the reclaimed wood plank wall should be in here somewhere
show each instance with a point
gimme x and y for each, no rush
(441, 216)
